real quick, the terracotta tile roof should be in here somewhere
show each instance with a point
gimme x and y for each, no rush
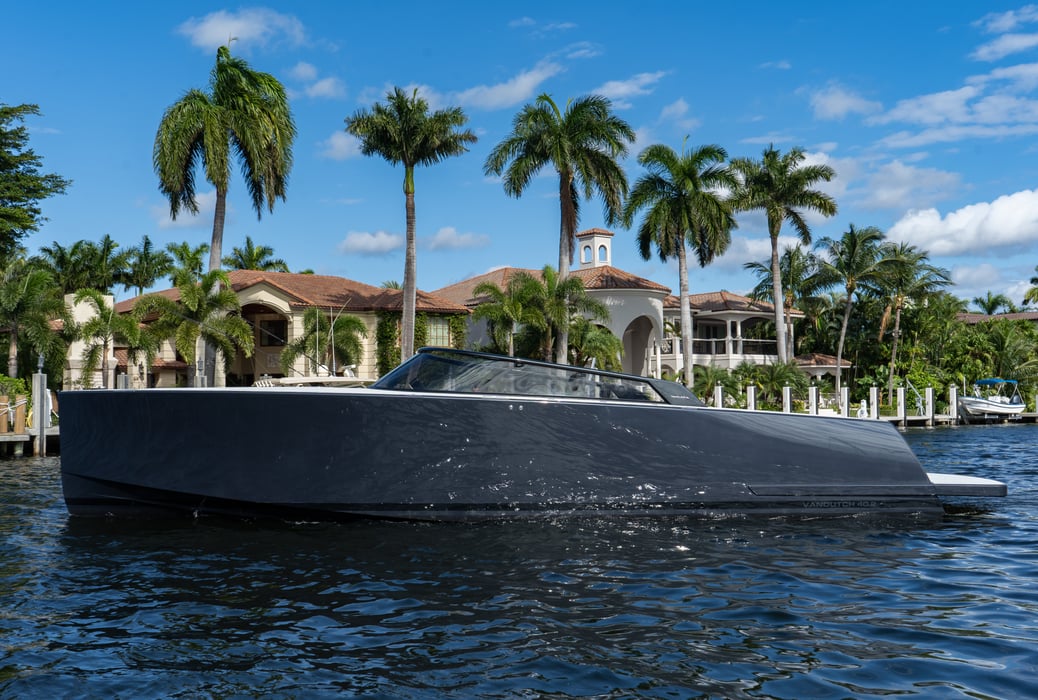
(609, 277)
(975, 318)
(594, 232)
(723, 301)
(303, 291)
(817, 359)
(601, 278)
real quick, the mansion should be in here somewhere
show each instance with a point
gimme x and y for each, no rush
(728, 329)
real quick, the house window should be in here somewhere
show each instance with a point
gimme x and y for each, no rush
(272, 332)
(585, 254)
(439, 332)
(603, 254)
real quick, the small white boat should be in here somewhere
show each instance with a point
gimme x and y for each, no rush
(992, 400)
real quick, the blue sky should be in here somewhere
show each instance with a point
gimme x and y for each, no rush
(928, 112)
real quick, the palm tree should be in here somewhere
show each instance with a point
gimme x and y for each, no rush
(254, 257)
(583, 145)
(105, 329)
(507, 309)
(990, 303)
(780, 186)
(907, 277)
(107, 267)
(557, 302)
(245, 113)
(207, 309)
(28, 302)
(145, 266)
(852, 260)
(325, 341)
(69, 267)
(709, 376)
(188, 262)
(1031, 296)
(802, 280)
(403, 132)
(684, 207)
(594, 344)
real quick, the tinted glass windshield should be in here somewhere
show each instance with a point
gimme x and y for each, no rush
(445, 370)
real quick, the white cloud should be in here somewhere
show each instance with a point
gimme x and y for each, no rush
(303, 71)
(998, 22)
(677, 113)
(619, 91)
(1004, 46)
(326, 87)
(1022, 77)
(340, 146)
(951, 134)
(898, 186)
(1009, 223)
(250, 27)
(448, 238)
(509, 93)
(935, 108)
(371, 244)
(836, 102)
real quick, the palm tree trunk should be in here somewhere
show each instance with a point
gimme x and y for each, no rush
(686, 316)
(410, 274)
(511, 340)
(843, 338)
(777, 298)
(566, 232)
(216, 245)
(893, 355)
(12, 353)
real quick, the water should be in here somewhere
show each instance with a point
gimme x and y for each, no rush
(606, 608)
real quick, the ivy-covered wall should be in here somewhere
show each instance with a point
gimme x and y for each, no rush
(387, 341)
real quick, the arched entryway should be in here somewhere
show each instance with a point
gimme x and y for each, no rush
(270, 332)
(636, 339)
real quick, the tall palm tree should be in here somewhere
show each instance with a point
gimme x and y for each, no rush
(681, 195)
(326, 342)
(145, 265)
(507, 309)
(188, 262)
(802, 280)
(782, 188)
(28, 302)
(208, 309)
(907, 277)
(991, 304)
(583, 144)
(852, 260)
(245, 113)
(404, 132)
(254, 257)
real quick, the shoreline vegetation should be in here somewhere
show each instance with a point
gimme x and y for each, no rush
(879, 305)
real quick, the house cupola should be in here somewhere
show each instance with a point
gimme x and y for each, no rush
(594, 248)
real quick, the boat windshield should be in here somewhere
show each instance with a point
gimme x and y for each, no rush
(477, 373)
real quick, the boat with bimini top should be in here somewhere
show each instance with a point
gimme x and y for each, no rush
(991, 399)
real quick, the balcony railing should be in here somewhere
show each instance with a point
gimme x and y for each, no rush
(719, 346)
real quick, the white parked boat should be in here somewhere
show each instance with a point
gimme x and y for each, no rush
(992, 400)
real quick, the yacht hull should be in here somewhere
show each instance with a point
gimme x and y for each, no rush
(336, 454)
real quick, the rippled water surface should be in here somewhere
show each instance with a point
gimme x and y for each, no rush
(571, 608)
